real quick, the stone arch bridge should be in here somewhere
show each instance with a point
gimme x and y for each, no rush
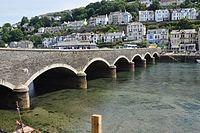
(63, 68)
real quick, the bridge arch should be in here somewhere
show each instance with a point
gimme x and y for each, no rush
(120, 57)
(123, 64)
(99, 68)
(7, 84)
(138, 60)
(38, 73)
(94, 60)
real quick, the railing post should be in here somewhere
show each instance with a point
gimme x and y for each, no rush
(96, 123)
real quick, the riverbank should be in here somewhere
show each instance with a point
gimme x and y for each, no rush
(187, 58)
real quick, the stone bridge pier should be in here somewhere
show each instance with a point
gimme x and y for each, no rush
(48, 70)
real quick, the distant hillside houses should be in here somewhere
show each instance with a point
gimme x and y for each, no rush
(119, 17)
(75, 24)
(85, 37)
(164, 15)
(136, 31)
(158, 36)
(162, 2)
(189, 13)
(99, 20)
(21, 44)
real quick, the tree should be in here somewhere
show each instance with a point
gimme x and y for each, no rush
(66, 17)
(7, 25)
(16, 35)
(2, 43)
(155, 5)
(45, 22)
(37, 41)
(186, 4)
(24, 21)
(184, 24)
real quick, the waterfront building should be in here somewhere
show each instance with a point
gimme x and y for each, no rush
(158, 36)
(75, 45)
(99, 20)
(136, 31)
(198, 38)
(146, 2)
(171, 2)
(162, 15)
(119, 17)
(22, 44)
(146, 16)
(183, 40)
(189, 13)
(112, 37)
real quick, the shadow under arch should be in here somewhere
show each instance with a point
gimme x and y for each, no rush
(156, 55)
(149, 58)
(122, 63)
(52, 78)
(138, 60)
(97, 68)
(7, 96)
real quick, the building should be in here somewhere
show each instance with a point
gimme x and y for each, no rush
(146, 2)
(162, 15)
(51, 29)
(198, 39)
(22, 44)
(111, 37)
(119, 17)
(75, 24)
(171, 2)
(99, 20)
(136, 31)
(146, 16)
(158, 36)
(183, 40)
(189, 13)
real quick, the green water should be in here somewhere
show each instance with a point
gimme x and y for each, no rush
(163, 98)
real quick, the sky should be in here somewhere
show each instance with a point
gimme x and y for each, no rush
(11, 11)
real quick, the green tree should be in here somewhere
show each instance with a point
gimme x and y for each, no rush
(37, 41)
(155, 5)
(66, 17)
(2, 43)
(16, 35)
(24, 21)
(186, 4)
(45, 22)
(184, 24)
(7, 25)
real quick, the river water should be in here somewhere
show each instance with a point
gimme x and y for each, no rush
(163, 98)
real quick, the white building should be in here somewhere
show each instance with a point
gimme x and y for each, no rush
(120, 17)
(22, 44)
(158, 36)
(171, 2)
(136, 31)
(162, 15)
(111, 37)
(75, 24)
(99, 20)
(146, 2)
(199, 39)
(189, 13)
(145, 16)
(183, 40)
